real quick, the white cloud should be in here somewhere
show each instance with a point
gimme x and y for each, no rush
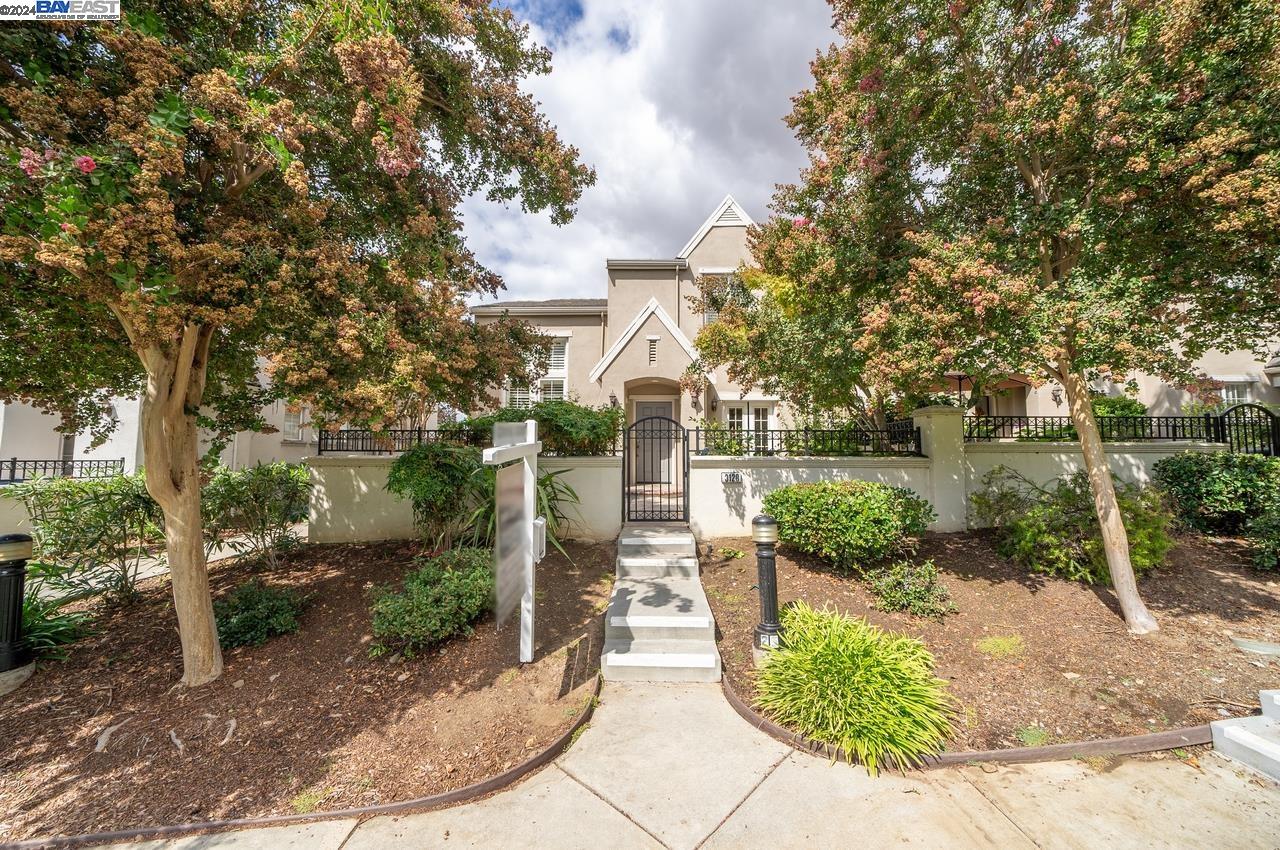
(689, 110)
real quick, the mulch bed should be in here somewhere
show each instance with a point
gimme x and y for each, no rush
(305, 722)
(1081, 675)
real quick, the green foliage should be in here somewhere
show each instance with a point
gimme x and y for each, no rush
(566, 429)
(914, 588)
(254, 612)
(1118, 405)
(1263, 533)
(841, 681)
(718, 439)
(89, 534)
(253, 510)
(1218, 493)
(1054, 529)
(850, 523)
(436, 478)
(1002, 646)
(439, 599)
(731, 553)
(552, 496)
(47, 628)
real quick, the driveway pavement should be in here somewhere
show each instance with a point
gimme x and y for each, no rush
(673, 766)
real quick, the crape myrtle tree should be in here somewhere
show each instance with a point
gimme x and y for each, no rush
(201, 190)
(1073, 191)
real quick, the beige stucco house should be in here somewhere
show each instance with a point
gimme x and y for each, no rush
(631, 347)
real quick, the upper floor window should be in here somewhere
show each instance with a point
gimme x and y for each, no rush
(726, 289)
(558, 361)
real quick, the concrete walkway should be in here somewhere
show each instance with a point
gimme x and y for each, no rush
(666, 765)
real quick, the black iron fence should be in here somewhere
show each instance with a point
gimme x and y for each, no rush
(898, 439)
(15, 471)
(1244, 428)
(363, 441)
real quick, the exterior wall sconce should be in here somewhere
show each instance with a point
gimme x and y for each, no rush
(613, 399)
(715, 402)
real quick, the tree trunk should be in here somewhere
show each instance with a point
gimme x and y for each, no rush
(1115, 540)
(175, 385)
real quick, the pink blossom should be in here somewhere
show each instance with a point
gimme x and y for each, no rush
(31, 163)
(85, 164)
(955, 9)
(50, 154)
(800, 221)
(872, 82)
(66, 226)
(1055, 41)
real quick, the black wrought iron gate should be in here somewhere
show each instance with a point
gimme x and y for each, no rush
(655, 471)
(1251, 429)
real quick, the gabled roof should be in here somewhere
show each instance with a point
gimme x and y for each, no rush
(729, 214)
(653, 308)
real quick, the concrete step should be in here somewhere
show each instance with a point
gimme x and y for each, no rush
(656, 549)
(1270, 704)
(658, 609)
(1251, 741)
(680, 566)
(660, 661)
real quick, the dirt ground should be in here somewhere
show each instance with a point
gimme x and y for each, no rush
(1079, 675)
(305, 722)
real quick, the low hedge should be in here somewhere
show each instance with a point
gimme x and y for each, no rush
(1219, 492)
(438, 600)
(850, 523)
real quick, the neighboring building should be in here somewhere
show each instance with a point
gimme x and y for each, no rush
(631, 347)
(28, 434)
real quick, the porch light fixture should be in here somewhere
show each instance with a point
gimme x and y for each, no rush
(613, 399)
(715, 402)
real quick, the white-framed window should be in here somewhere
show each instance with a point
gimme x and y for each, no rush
(1234, 392)
(551, 389)
(558, 360)
(731, 286)
(519, 397)
(735, 417)
(293, 424)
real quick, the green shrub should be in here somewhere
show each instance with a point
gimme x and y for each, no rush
(253, 510)
(552, 495)
(718, 439)
(253, 613)
(438, 600)
(1264, 535)
(846, 683)
(89, 534)
(47, 629)
(849, 523)
(1054, 529)
(564, 427)
(1219, 493)
(1117, 405)
(436, 478)
(914, 588)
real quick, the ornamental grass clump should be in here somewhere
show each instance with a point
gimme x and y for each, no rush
(847, 683)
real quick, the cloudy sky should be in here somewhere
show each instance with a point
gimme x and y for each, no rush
(676, 103)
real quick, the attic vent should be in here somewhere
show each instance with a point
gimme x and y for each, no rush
(730, 216)
(653, 352)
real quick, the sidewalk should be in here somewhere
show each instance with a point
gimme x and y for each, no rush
(673, 766)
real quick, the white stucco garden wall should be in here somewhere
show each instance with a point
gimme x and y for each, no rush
(598, 483)
(350, 503)
(721, 509)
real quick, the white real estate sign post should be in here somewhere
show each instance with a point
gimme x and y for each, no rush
(521, 539)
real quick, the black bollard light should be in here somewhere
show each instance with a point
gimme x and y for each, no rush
(764, 531)
(15, 551)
